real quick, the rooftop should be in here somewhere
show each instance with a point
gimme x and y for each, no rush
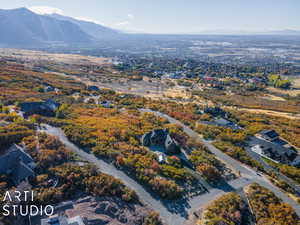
(16, 163)
(269, 133)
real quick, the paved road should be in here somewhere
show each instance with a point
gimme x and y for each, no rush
(232, 163)
(175, 212)
(247, 176)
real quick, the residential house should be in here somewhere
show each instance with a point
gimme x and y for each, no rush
(286, 155)
(156, 137)
(171, 145)
(296, 162)
(93, 88)
(106, 104)
(269, 135)
(49, 89)
(226, 123)
(46, 108)
(269, 143)
(161, 138)
(146, 139)
(258, 149)
(215, 111)
(17, 164)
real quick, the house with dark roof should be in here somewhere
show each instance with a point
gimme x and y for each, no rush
(296, 162)
(158, 136)
(146, 139)
(52, 105)
(17, 164)
(227, 123)
(171, 145)
(276, 153)
(46, 108)
(49, 89)
(106, 104)
(215, 111)
(221, 122)
(93, 88)
(269, 135)
(274, 148)
(161, 138)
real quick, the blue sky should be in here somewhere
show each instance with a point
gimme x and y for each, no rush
(177, 16)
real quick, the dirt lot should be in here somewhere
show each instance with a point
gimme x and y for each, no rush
(73, 59)
(296, 82)
(269, 112)
(273, 98)
(293, 92)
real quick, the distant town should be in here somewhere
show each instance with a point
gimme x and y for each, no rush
(146, 129)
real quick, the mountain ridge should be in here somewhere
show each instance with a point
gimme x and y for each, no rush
(23, 27)
(93, 29)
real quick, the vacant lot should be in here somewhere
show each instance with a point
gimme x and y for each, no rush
(293, 92)
(34, 56)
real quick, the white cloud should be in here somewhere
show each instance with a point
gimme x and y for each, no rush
(45, 10)
(130, 16)
(124, 23)
(51, 10)
(127, 22)
(89, 20)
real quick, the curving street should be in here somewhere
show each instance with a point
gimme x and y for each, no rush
(176, 212)
(245, 171)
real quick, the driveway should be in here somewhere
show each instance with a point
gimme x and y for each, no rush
(176, 212)
(246, 172)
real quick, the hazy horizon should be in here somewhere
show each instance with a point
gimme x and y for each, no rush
(196, 16)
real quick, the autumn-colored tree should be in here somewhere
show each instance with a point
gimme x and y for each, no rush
(209, 172)
(283, 213)
(152, 219)
(268, 208)
(119, 160)
(225, 210)
(166, 188)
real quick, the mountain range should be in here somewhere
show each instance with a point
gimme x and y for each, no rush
(22, 27)
(94, 30)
